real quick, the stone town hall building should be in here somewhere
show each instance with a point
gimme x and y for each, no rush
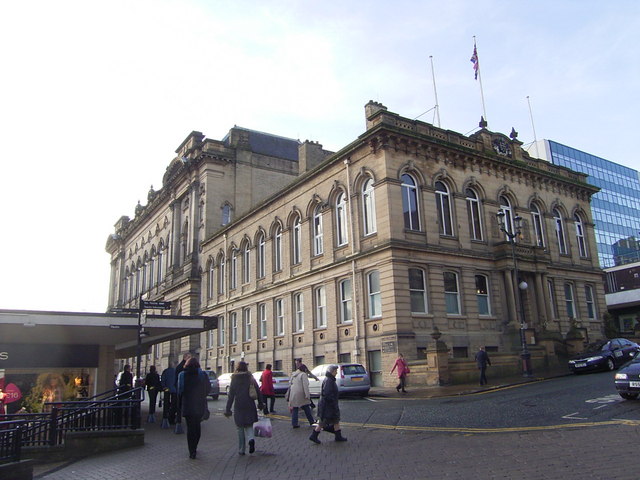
(363, 253)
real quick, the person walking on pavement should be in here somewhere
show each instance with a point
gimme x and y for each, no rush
(244, 407)
(402, 370)
(193, 388)
(309, 374)
(266, 388)
(154, 386)
(298, 396)
(179, 369)
(328, 408)
(168, 380)
(482, 360)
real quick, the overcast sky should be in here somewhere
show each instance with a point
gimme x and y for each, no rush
(96, 96)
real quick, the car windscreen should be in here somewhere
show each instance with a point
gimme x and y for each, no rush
(353, 369)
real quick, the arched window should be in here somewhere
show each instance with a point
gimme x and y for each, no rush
(221, 274)
(443, 203)
(582, 244)
(260, 256)
(318, 247)
(505, 207)
(246, 320)
(410, 203)
(262, 319)
(234, 327)
(160, 262)
(221, 331)
(246, 263)
(562, 244)
(538, 225)
(211, 278)
(368, 207)
(569, 300)
(341, 219)
(473, 213)
(226, 214)
(296, 241)
(277, 249)
(279, 324)
(233, 270)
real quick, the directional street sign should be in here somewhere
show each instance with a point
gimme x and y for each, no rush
(149, 304)
(123, 310)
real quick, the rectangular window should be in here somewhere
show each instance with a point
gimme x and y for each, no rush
(246, 317)
(234, 328)
(417, 291)
(568, 298)
(591, 306)
(221, 331)
(373, 290)
(321, 307)
(346, 315)
(279, 317)
(262, 318)
(298, 304)
(344, 358)
(482, 295)
(552, 299)
(451, 295)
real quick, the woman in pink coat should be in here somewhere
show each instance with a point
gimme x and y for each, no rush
(402, 368)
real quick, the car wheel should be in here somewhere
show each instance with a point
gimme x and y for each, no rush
(226, 389)
(610, 365)
(629, 396)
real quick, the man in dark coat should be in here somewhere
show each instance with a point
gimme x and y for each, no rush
(179, 369)
(482, 360)
(328, 408)
(170, 400)
(154, 386)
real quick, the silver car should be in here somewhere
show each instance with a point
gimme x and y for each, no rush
(224, 379)
(351, 378)
(280, 381)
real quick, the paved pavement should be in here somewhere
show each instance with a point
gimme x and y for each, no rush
(376, 453)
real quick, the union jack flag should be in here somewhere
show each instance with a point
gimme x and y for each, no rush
(474, 60)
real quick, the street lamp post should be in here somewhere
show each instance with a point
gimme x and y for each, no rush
(512, 232)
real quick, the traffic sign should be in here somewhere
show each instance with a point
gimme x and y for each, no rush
(144, 304)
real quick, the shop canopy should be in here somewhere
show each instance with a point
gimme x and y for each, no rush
(119, 330)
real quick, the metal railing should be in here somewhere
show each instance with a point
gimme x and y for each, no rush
(104, 412)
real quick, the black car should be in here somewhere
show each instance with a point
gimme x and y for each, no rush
(604, 355)
(628, 379)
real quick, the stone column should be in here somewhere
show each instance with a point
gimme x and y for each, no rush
(437, 360)
(511, 297)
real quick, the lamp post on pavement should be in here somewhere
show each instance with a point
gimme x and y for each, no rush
(512, 231)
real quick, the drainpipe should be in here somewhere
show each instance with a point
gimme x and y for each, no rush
(356, 321)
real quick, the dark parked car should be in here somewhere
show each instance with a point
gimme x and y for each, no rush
(213, 381)
(628, 379)
(604, 355)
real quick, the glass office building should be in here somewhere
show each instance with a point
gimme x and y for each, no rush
(615, 208)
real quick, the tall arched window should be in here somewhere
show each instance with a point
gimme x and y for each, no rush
(410, 203)
(482, 295)
(246, 263)
(221, 274)
(277, 249)
(505, 207)
(473, 213)
(368, 207)
(562, 244)
(260, 256)
(296, 241)
(417, 291)
(373, 292)
(341, 219)
(590, 300)
(211, 278)
(538, 225)
(226, 214)
(233, 270)
(346, 315)
(318, 235)
(443, 203)
(451, 293)
(160, 262)
(582, 244)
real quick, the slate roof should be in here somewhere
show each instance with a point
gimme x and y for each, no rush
(268, 144)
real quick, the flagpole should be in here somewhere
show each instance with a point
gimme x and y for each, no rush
(435, 92)
(535, 139)
(484, 110)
